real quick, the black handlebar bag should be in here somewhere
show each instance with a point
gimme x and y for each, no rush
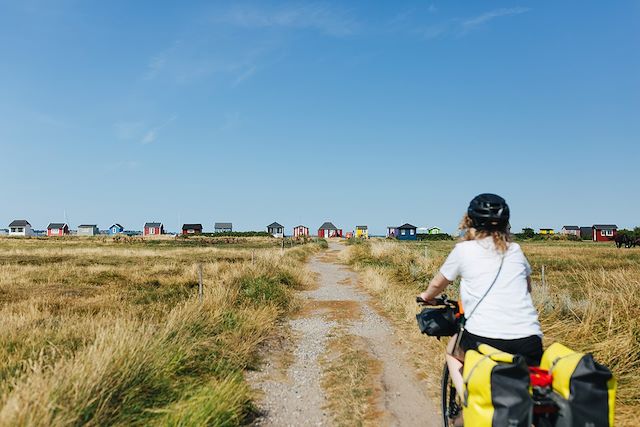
(438, 321)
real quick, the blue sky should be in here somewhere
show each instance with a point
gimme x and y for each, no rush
(373, 113)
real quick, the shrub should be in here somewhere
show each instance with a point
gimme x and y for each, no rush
(431, 237)
(238, 234)
(527, 233)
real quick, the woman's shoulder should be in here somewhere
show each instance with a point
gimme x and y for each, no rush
(515, 252)
(484, 243)
(464, 244)
(514, 247)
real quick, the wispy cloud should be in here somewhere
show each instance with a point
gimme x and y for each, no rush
(128, 130)
(407, 18)
(195, 61)
(244, 75)
(477, 21)
(461, 27)
(159, 61)
(152, 134)
(328, 20)
(207, 53)
(435, 31)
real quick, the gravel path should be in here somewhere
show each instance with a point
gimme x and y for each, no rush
(295, 398)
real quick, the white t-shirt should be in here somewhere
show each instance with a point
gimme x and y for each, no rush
(507, 312)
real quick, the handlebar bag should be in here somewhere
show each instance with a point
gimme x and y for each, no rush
(496, 389)
(437, 321)
(588, 387)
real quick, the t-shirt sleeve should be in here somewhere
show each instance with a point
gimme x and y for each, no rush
(451, 267)
(525, 261)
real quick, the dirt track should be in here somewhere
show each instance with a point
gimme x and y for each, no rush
(292, 378)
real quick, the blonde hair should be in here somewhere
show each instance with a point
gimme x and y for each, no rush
(501, 238)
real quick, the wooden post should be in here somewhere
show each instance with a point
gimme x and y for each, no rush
(282, 251)
(200, 283)
(252, 252)
(544, 281)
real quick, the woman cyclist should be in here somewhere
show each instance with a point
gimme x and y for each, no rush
(495, 287)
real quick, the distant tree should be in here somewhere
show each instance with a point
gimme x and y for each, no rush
(636, 232)
(528, 233)
(625, 232)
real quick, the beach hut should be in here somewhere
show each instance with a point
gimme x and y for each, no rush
(57, 229)
(586, 233)
(570, 230)
(604, 232)
(275, 229)
(116, 229)
(407, 232)
(328, 230)
(88, 230)
(362, 232)
(188, 229)
(20, 227)
(223, 227)
(153, 228)
(301, 231)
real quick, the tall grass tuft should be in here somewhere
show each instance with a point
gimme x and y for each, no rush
(115, 335)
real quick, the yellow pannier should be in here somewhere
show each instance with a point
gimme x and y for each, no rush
(496, 387)
(588, 388)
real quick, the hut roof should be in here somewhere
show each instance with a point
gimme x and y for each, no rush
(328, 226)
(407, 226)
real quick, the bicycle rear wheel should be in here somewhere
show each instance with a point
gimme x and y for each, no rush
(451, 408)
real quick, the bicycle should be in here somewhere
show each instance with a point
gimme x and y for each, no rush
(545, 408)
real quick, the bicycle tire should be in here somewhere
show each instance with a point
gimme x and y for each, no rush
(449, 405)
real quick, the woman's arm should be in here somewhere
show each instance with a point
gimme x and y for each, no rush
(437, 285)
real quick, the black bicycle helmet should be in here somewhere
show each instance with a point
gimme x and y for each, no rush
(488, 212)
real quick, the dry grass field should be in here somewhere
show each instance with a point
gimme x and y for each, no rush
(104, 332)
(590, 302)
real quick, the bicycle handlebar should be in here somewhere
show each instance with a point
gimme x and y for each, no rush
(441, 300)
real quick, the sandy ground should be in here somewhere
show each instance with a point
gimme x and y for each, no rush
(290, 381)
